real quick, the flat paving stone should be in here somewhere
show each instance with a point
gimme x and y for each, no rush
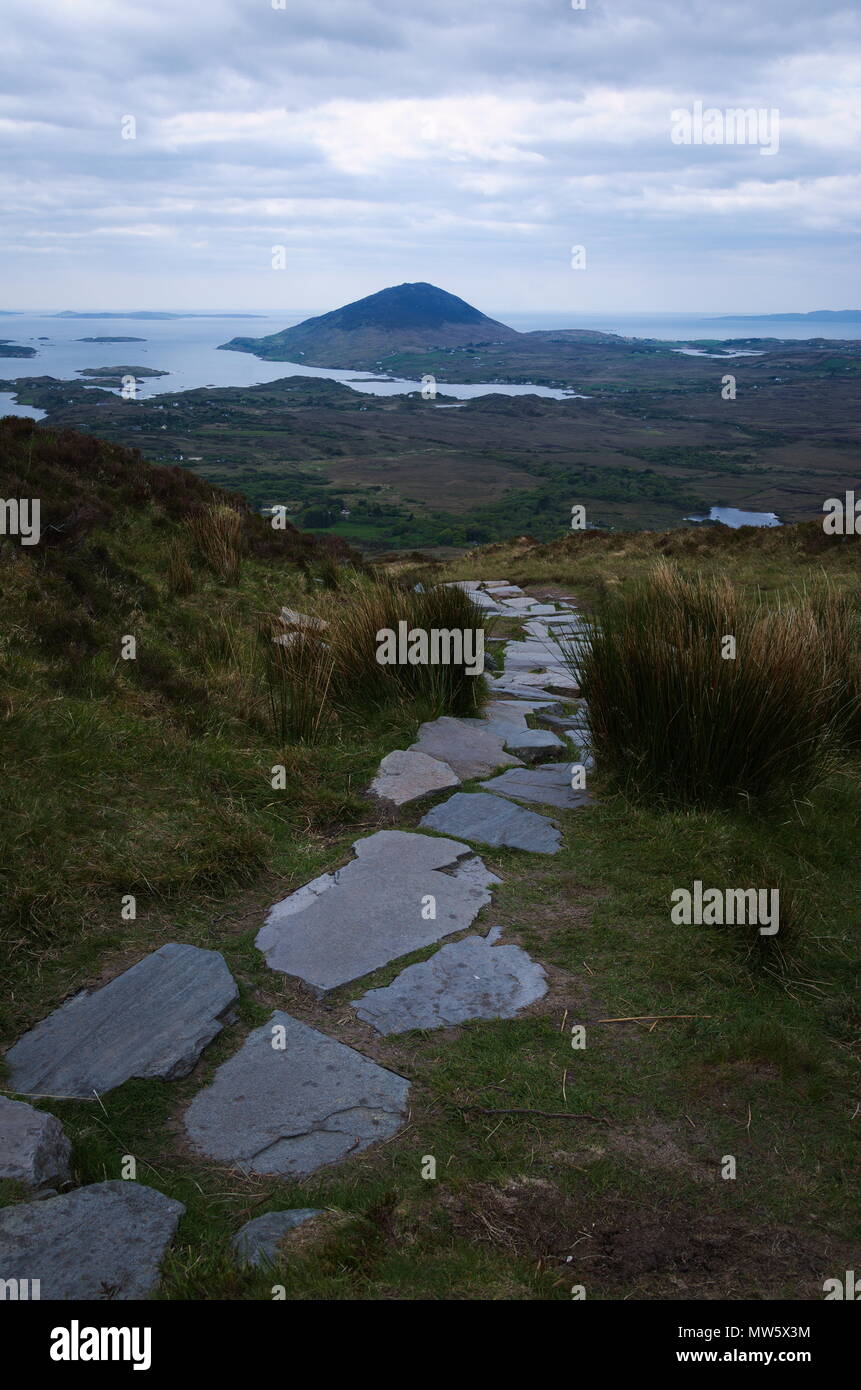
(345, 924)
(472, 978)
(467, 748)
(546, 682)
(154, 1020)
(257, 1243)
(532, 744)
(33, 1147)
(493, 821)
(404, 776)
(291, 1109)
(105, 1241)
(528, 655)
(549, 784)
(523, 687)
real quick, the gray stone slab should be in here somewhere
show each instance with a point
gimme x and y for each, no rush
(33, 1148)
(467, 748)
(493, 821)
(531, 745)
(404, 776)
(532, 656)
(472, 978)
(105, 1241)
(346, 924)
(291, 1109)
(525, 604)
(549, 784)
(523, 688)
(257, 1243)
(154, 1020)
(549, 682)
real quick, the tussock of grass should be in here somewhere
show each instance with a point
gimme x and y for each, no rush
(217, 533)
(314, 678)
(673, 719)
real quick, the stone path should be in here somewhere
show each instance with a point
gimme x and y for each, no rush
(292, 1100)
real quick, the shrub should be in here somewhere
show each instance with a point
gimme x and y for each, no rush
(673, 719)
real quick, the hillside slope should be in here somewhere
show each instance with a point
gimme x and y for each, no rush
(403, 318)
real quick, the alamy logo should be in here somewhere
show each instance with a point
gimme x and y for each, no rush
(15, 1290)
(842, 516)
(76, 1343)
(734, 126)
(847, 1288)
(441, 646)
(718, 907)
(21, 516)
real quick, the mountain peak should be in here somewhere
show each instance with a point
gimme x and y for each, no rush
(412, 317)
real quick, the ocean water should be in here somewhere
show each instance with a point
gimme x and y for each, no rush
(188, 349)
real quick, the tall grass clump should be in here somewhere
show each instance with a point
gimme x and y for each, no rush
(674, 719)
(317, 675)
(217, 532)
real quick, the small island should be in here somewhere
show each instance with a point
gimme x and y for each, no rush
(10, 349)
(110, 340)
(113, 376)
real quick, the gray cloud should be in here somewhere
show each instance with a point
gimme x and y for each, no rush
(472, 146)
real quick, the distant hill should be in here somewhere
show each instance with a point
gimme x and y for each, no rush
(404, 318)
(816, 315)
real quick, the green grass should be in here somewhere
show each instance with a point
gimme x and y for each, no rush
(153, 777)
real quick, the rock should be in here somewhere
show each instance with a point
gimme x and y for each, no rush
(546, 785)
(293, 1109)
(543, 683)
(472, 978)
(346, 924)
(257, 1241)
(105, 1241)
(526, 656)
(527, 606)
(532, 744)
(154, 1020)
(467, 748)
(403, 776)
(292, 618)
(523, 687)
(33, 1148)
(493, 821)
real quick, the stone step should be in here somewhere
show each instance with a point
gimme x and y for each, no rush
(153, 1020)
(293, 1100)
(491, 820)
(345, 924)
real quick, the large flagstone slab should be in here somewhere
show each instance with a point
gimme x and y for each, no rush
(491, 820)
(154, 1020)
(345, 924)
(472, 978)
(293, 1100)
(531, 745)
(468, 748)
(549, 784)
(404, 776)
(105, 1241)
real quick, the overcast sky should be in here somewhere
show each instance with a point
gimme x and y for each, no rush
(470, 143)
